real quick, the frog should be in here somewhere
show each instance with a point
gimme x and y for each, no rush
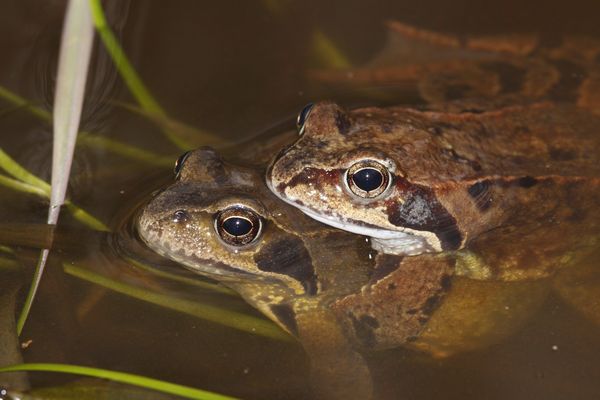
(512, 190)
(319, 283)
(435, 68)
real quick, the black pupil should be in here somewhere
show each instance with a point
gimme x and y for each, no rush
(303, 115)
(368, 179)
(237, 226)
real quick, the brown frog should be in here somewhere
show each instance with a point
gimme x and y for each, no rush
(516, 186)
(318, 283)
(499, 168)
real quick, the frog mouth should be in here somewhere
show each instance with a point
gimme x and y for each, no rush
(389, 242)
(403, 242)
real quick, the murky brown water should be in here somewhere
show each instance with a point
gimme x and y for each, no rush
(236, 69)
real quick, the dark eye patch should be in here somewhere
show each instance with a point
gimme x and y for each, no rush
(286, 316)
(288, 256)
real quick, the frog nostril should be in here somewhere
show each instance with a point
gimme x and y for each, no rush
(180, 216)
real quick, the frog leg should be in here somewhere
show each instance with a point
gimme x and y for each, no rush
(395, 306)
(338, 371)
(539, 226)
(476, 314)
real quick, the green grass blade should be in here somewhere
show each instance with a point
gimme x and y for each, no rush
(131, 78)
(6, 249)
(19, 101)
(121, 377)
(128, 73)
(213, 287)
(125, 150)
(37, 277)
(231, 319)
(7, 262)
(191, 135)
(29, 183)
(327, 54)
(13, 168)
(85, 217)
(93, 139)
(22, 186)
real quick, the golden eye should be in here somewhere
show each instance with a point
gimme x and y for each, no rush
(367, 178)
(238, 225)
(179, 164)
(302, 117)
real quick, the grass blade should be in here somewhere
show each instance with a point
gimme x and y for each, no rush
(126, 70)
(222, 316)
(122, 377)
(133, 81)
(327, 53)
(191, 135)
(17, 171)
(125, 150)
(73, 63)
(35, 283)
(213, 287)
(74, 59)
(44, 191)
(90, 138)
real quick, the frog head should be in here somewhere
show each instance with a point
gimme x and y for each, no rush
(369, 171)
(222, 221)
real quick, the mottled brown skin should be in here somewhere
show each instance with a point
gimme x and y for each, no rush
(440, 67)
(319, 283)
(298, 272)
(483, 181)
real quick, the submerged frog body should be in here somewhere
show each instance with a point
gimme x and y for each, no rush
(517, 187)
(319, 283)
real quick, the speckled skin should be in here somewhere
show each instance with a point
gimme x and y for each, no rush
(296, 262)
(319, 283)
(485, 180)
(314, 281)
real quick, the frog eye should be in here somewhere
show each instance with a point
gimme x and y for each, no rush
(367, 178)
(302, 117)
(179, 163)
(238, 225)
